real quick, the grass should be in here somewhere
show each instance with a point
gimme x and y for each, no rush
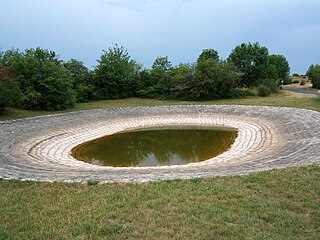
(284, 99)
(278, 204)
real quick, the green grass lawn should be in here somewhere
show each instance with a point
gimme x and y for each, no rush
(278, 204)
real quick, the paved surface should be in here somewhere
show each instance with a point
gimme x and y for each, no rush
(38, 148)
(299, 90)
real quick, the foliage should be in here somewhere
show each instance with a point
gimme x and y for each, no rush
(143, 84)
(114, 73)
(314, 75)
(259, 68)
(56, 94)
(10, 93)
(76, 69)
(208, 54)
(263, 91)
(280, 67)
(81, 80)
(214, 80)
(48, 83)
(42, 78)
(160, 78)
(183, 77)
(271, 83)
(250, 59)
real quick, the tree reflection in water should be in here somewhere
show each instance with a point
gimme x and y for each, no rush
(156, 147)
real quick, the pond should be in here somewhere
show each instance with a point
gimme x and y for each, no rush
(159, 146)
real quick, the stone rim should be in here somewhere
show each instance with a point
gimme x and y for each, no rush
(28, 156)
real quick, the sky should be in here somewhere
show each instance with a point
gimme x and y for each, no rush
(179, 29)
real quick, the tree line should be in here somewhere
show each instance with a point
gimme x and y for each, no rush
(38, 79)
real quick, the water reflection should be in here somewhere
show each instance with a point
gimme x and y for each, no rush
(156, 147)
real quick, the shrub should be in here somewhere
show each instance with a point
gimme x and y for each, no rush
(271, 84)
(314, 75)
(286, 81)
(263, 91)
(241, 92)
(10, 94)
(295, 81)
(50, 94)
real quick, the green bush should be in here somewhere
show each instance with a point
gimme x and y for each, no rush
(271, 84)
(263, 91)
(286, 81)
(314, 75)
(240, 93)
(10, 94)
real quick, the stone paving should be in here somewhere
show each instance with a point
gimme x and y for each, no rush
(38, 149)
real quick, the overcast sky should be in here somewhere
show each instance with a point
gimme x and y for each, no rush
(179, 29)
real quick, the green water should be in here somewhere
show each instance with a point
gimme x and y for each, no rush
(156, 147)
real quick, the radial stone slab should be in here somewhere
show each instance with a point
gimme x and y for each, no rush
(39, 148)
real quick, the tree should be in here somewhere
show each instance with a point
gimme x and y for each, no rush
(114, 73)
(10, 93)
(208, 54)
(81, 80)
(183, 76)
(56, 94)
(143, 84)
(280, 65)
(228, 78)
(250, 59)
(38, 70)
(314, 75)
(75, 68)
(214, 80)
(160, 78)
(204, 84)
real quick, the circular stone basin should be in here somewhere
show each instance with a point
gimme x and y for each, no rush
(39, 149)
(158, 146)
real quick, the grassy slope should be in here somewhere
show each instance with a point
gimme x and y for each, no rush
(280, 204)
(286, 99)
